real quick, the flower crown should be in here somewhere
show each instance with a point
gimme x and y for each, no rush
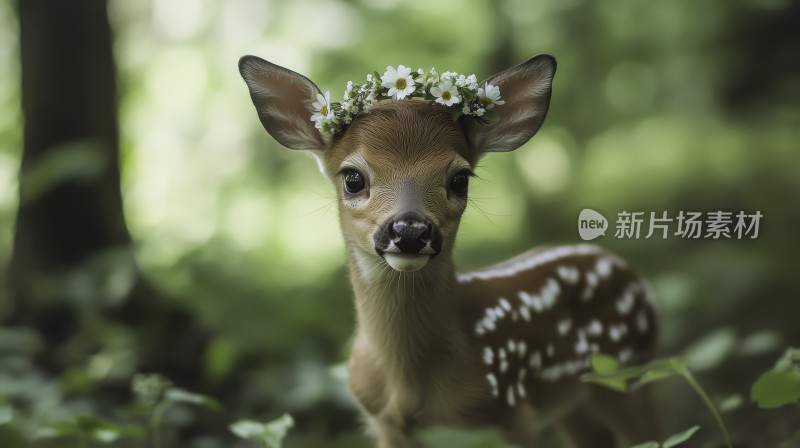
(458, 92)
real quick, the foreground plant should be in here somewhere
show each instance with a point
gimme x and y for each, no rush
(607, 372)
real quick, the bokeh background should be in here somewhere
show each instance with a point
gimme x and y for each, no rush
(148, 224)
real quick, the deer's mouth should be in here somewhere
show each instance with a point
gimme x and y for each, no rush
(405, 262)
(408, 241)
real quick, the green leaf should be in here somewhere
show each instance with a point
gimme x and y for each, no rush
(178, 395)
(758, 343)
(490, 117)
(655, 375)
(711, 350)
(730, 403)
(105, 435)
(680, 437)
(270, 434)
(775, 388)
(617, 384)
(604, 364)
(652, 371)
(790, 358)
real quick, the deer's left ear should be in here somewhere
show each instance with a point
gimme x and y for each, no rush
(525, 89)
(283, 100)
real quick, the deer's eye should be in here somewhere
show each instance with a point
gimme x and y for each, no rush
(353, 181)
(459, 184)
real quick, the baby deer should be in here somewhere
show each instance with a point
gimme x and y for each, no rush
(499, 347)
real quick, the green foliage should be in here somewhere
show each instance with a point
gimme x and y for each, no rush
(443, 437)
(673, 440)
(780, 385)
(89, 429)
(157, 395)
(269, 435)
(617, 379)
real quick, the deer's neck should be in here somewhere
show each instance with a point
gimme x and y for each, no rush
(408, 318)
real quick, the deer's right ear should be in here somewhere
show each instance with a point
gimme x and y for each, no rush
(283, 100)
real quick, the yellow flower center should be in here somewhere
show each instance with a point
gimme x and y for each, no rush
(400, 84)
(446, 95)
(324, 110)
(486, 101)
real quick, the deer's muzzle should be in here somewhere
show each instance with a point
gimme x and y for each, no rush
(408, 233)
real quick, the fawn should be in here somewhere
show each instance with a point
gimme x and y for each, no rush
(501, 346)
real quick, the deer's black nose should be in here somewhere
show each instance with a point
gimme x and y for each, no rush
(408, 233)
(411, 230)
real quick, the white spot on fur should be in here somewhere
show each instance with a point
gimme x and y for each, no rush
(535, 360)
(510, 396)
(582, 345)
(617, 332)
(603, 267)
(625, 355)
(588, 290)
(521, 382)
(512, 347)
(493, 383)
(550, 350)
(503, 365)
(569, 274)
(550, 293)
(504, 303)
(626, 302)
(641, 321)
(526, 315)
(522, 348)
(595, 328)
(488, 356)
(564, 326)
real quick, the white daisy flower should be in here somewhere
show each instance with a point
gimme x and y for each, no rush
(322, 107)
(489, 95)
(399, 82)
(446, 93)
(472, 82)
(448, 76)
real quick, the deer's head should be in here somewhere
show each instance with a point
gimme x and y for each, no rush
(402, 170)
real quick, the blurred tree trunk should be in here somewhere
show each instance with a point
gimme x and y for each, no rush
(70, 215)
(68, 97)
